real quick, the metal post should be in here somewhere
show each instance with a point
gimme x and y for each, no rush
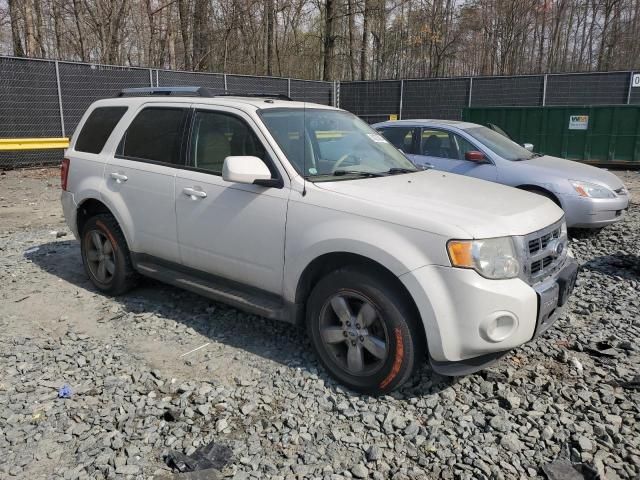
(60, 100)
(544, 91)
(151, 78)
(157, 81)
(336, 95)
(289, 87)
(401, 97)
(630, 85)
(224, 77)
(470, 90)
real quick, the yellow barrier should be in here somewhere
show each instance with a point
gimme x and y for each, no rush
(7, 144)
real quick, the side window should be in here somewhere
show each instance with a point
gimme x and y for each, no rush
(437, 143)
(155, 134)
(463, 146)
(217, 136)
(96, 130)
(400, 137)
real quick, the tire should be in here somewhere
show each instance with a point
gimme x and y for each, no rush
(109, 268)
(389, 316)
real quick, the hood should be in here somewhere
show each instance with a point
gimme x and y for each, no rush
(445, 204)
(570, 170)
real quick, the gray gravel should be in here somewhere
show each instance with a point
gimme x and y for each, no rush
(255, 386)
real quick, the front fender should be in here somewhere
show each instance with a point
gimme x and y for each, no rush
(314, 231)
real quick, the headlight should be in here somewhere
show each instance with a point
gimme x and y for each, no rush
(591, 190)
(493, 258)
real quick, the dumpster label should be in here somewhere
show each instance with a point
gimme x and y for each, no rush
(635, 82)
(578, 122)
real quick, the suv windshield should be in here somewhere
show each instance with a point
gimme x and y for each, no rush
(503, 146)
(322, 144)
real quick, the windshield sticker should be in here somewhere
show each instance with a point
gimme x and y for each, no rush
(313, 171)
(376, 138)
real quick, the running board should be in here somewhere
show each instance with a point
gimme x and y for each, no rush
(246, 298)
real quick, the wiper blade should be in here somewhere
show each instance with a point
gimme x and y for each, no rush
(395, 170)
(340, 173)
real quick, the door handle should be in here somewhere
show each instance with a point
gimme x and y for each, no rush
(119, 177)
(193, 193)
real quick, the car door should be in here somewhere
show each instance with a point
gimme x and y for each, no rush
(445, 150)
(140, 178)
(231, 230)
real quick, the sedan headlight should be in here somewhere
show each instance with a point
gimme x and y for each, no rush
(493, 258)
(591, 190)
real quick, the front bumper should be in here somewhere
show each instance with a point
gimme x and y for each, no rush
(581, 212)
(470, 322)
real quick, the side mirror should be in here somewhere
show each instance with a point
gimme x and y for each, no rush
(528, 146)
(245, 169)
(474, 156)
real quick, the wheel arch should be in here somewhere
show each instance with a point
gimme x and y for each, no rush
(91, 206)
(541, 190)
(332, 261)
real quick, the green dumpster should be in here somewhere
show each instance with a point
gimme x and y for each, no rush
(607, 135)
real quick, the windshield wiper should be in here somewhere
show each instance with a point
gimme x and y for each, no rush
(396, 170)
(340, 173)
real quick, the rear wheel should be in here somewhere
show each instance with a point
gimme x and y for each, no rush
(364, 330)
(105, 255)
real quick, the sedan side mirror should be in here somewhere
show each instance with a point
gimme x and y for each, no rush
(245, 169)
(475, 156)
(528, 146)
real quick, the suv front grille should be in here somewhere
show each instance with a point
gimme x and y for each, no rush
(541, 243)
(544, 252)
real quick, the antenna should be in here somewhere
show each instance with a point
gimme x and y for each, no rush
(304, 149)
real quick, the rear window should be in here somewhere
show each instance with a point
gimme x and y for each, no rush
(155, 134)
(97, 128)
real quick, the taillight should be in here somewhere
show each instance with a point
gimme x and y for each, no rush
(64, 173)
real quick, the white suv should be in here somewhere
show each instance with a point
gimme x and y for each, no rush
(303, 213)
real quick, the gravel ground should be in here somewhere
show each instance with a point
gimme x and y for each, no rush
(139, 391)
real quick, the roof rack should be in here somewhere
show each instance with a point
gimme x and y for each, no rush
(278, 96)
(195, 91)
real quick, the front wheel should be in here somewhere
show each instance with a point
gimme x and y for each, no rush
(364, 330)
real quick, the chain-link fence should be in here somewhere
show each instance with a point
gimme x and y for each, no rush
(445, 98)
(46, 98)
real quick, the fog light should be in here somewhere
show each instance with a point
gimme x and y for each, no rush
(498, 326)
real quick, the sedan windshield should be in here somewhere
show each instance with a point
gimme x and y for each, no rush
(503, 146)
(325, 144)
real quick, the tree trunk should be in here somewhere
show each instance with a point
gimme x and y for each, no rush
(183, 13)
(201, 36)
(329, 40)
(14, 15)
(364, 50)
(269, 19)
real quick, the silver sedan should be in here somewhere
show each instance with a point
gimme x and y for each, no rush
(591, 197)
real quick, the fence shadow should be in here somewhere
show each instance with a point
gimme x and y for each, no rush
(277, 341)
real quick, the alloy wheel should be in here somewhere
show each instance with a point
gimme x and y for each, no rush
(353, 333)
(100, 256)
